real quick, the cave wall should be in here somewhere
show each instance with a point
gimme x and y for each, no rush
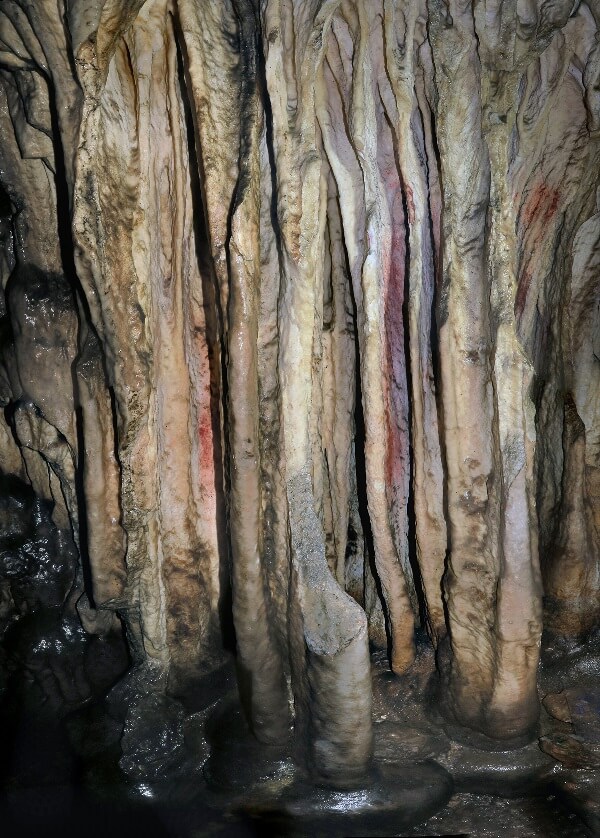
(301, 309)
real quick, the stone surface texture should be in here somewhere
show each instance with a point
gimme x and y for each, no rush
(300, 328)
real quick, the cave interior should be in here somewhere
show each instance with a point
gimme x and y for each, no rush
(300, 418)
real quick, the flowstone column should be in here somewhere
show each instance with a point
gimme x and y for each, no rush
(492, 583)
(328, 630)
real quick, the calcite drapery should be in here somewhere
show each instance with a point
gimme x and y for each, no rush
(309, 291)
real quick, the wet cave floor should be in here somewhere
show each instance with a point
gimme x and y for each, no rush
(93, 747)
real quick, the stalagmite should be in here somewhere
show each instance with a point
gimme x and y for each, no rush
(572, 574)
(299, 362)
(330, 650)
(259, 657)
(467, 392)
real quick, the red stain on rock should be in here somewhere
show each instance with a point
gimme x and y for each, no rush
(522, 290)
(541, 205)
(206, 442)
(395, 361)
(538, 211)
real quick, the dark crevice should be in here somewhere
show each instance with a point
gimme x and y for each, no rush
(63, 216)
(439, 315)
(360, 458)
(86, 568)
(410, 501)
(434, 342)
(63, 205)
(6, 208)
(249, 40)
(268, 118)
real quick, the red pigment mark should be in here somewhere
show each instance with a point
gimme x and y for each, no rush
(539, 209)
(522, 290)
(541, 204)
(395, 361)
(206, 441)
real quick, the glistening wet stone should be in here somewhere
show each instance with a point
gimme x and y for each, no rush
(580, 790)
(395, 742)
(506, 773)
(393, 800)
(238, 763)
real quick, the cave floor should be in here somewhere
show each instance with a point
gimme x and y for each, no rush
(65, 811)
(92, 747)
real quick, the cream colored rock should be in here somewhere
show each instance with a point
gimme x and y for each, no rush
(299, 303)
(329, 642)
(259, 658)
(105, 546)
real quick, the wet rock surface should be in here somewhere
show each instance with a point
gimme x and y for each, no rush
(392, 799)
(88, 737)
(153, 743)
(570, 690)
(129, 757)
(37, 560)
(236, 765)
(569, 662)
(505, 773)
(570, 723)
(580, 791)
(402, 743)
(487, 816)
(270, 790)
(575, 742)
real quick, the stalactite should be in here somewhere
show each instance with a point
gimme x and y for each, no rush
(300, 305)
(330, 650)
(258, 655)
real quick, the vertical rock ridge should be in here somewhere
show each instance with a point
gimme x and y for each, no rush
(330, 661)
(258, 655)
